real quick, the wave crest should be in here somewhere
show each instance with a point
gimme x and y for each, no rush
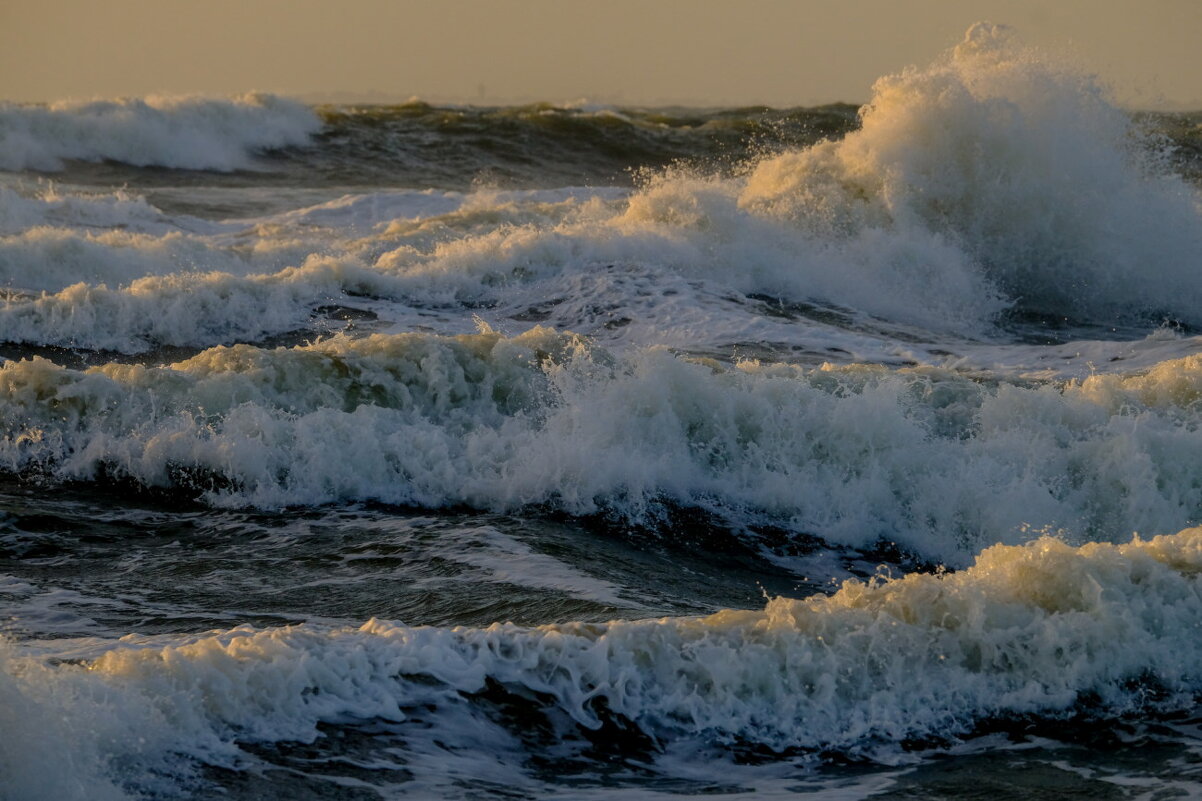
(1044, 630)
(184, 132)
(935, 461)
(1021, 163)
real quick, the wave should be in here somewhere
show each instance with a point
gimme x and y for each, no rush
(121, 290)
(990, 182)
(51, 207)
(413, 144)
(182, 132)
(545, 145)
(935, 461)
(158, 296)
(990, 186)
(52, 258)
(191, 310)
(1022, 165)
(112, 272)
(1043, 630)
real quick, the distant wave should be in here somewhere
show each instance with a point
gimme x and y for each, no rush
(420, 145)
(185, 132)
(543, 144)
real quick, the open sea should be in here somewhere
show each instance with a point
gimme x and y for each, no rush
(587, 452)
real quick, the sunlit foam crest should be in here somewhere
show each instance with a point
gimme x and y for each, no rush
(1043, 630)
(1019, 161)
(186, 132)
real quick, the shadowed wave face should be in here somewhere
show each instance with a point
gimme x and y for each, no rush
(414, 144)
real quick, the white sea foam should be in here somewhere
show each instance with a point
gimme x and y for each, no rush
(51, 258)
(407, 210)
(129, 291)
(187, 132)
(51, 206)
(188, 309)
(130, 285)
(935, 460)
(1043, 629)
(178, 309)
(1019, 163)
(693, 226)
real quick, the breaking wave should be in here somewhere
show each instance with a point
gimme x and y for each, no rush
(184, 132)
(933, 460)
(1042, 630)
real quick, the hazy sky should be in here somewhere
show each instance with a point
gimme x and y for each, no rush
(633, 51)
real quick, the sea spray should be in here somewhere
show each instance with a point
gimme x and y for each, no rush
(1021, 163)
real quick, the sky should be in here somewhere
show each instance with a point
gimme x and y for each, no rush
(696, 52)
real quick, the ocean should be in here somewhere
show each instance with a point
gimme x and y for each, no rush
(573, 451)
